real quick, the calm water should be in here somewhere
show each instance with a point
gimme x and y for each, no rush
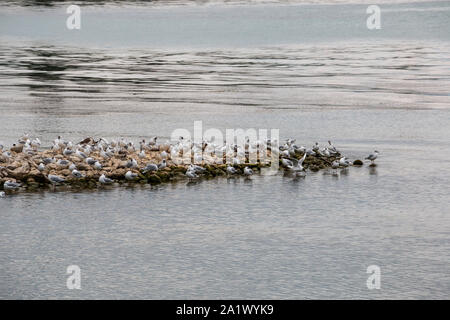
(313, 71)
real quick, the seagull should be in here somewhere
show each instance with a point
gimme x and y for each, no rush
(77, 174)
(80, 154)
(7, 154)
(48, 160)
(153, 141)
(300, 162)
(41, 167)
(104, 180)
(36, 143)
(162, 165)
(2, 194)
(195, 168)
(332, 148)
(98, 165)
(130, 175)
(343, 162)
(373, 156)
(287, 163)
(104, 155)
(285, 153)
(335, 164)
(72, 167)
(231, 170)
(248, 172)
(315, 148)
(191, 174)
(150, 167)
(90, 161)
(298, 167)
(58, 141)
(63, 163)
(164, 155)
(132, 163)
(55, 179)
(67, 152)
(10, 185)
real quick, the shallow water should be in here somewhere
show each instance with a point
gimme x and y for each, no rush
(270, 237)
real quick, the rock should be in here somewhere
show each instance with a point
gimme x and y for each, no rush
(83, 166)
(358, 162)
(17, 149)
(153, 178)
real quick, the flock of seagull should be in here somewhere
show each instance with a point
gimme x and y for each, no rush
(94, 153)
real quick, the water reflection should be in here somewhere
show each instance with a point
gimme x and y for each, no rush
(373, 170)
(230, 78)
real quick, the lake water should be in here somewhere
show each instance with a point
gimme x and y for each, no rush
(314, 71)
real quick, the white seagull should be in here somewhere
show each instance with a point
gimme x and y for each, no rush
(150, 167)
(10, 185)
(373, 156)
(231, 170)
(130, 175)
(162, 165)
(248, 172)
(191, 174)
(98, 165)
(77, 174)
(104, 180)
(55, 179)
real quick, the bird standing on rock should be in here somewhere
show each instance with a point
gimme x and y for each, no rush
(373, 156)
(98, 165)
(104, 180)
(130, 176)
(132, 163)
(248, 172)
(80, 154)
(343, 162)
(231, 170)
(10, 185)
(287, 163)
(55, 179)
(162, 165)
(150, 167)
(67, 152)
(191, 174)
(77, 174)
(90, 161)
